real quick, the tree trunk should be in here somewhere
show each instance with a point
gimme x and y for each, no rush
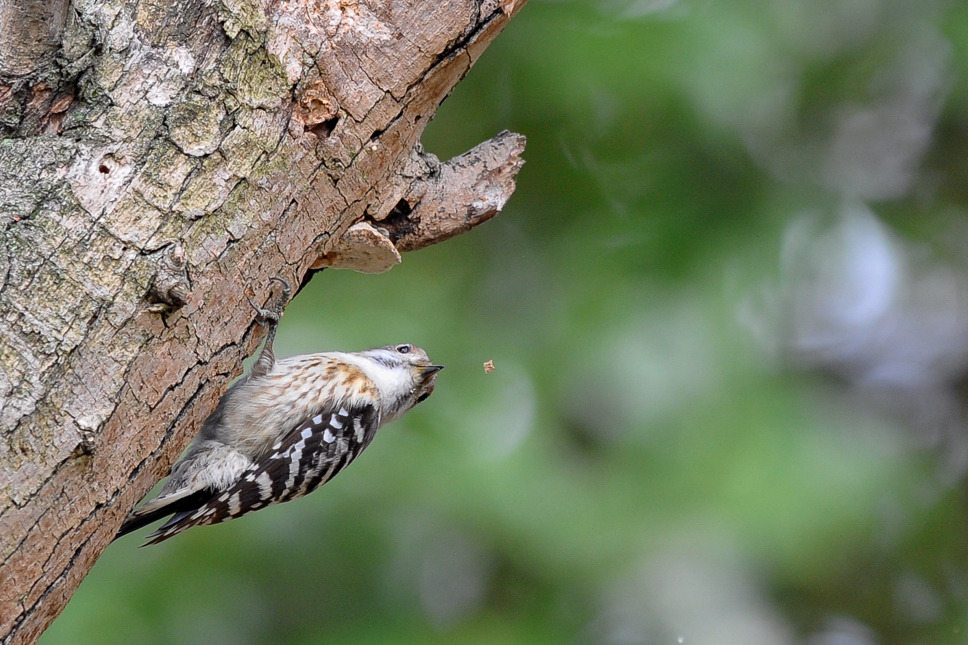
(162, 161)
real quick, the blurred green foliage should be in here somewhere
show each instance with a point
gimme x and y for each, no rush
(649, 462)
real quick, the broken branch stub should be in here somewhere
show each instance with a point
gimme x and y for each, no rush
(438, 202)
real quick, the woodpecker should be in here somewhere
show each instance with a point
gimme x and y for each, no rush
(285, 429)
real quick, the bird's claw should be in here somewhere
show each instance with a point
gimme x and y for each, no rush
(271, 315)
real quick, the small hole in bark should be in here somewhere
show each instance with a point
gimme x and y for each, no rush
(107, 164)
(397, 223)
(417, 118)
(324, 129)
(402, 209)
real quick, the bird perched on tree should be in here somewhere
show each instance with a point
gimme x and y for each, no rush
(285, 429)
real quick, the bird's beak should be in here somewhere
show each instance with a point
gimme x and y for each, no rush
(430, 370)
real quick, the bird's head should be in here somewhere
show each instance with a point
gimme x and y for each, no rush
(404, 374)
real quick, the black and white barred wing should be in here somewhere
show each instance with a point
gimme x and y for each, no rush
(307, 457)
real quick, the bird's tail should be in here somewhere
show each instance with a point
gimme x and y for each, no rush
(161, 507)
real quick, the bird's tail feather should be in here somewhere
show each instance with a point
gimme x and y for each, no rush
(161, 507)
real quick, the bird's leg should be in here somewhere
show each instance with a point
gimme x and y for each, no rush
(269, 316)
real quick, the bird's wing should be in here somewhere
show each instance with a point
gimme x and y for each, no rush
(306, 457)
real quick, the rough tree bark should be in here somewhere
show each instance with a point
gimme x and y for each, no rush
(162, 160)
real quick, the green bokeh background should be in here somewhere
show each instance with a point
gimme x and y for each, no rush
(654, 459)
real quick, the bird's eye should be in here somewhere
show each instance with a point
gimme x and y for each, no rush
(403, 349)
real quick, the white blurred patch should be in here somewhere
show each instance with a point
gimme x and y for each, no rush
(845, 282)
(843, 630)
(662, 359)
(886, 315)
(917, 600)
(865, 140)
(877, 146)
(655, 362)
(444, 569)
(858, 300)
(454, 577)
(687, 597)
